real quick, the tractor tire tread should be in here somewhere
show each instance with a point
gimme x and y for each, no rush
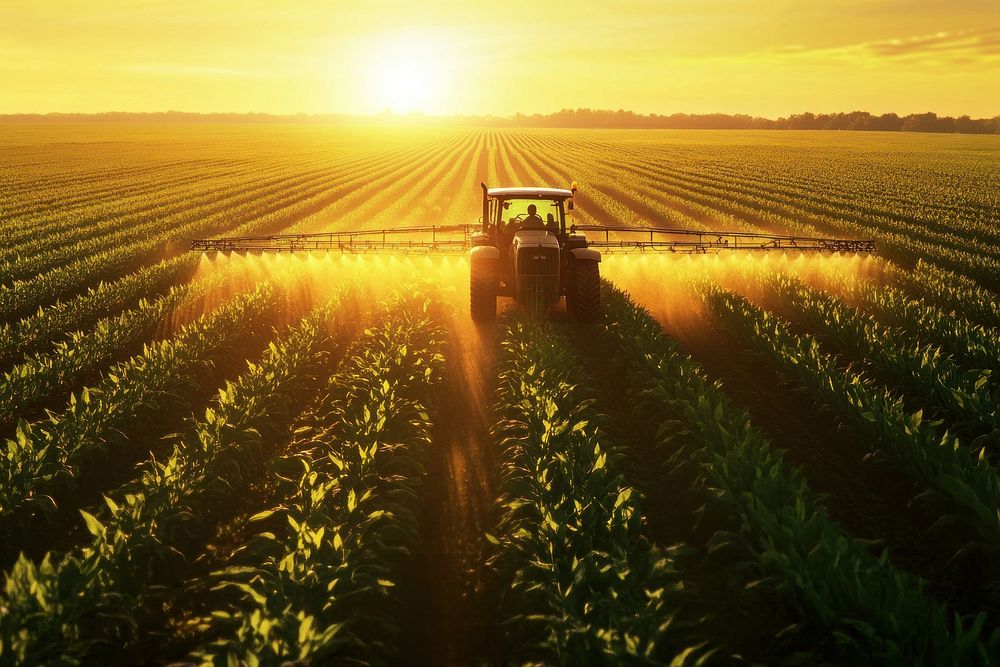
(586, 301)
(483, 291)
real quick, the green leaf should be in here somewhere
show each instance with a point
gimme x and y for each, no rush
(352, 500)
(305, 629)
(93, 525)
(623, 496)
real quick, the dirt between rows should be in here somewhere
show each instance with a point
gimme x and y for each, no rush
(446, 620)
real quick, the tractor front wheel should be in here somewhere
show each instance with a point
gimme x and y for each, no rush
(483, 290)
(585, 294)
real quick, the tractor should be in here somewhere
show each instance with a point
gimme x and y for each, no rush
(535, 262)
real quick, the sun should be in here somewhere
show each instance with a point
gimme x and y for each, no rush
(407, 74)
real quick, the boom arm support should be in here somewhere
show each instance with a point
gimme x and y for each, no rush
(458, 238)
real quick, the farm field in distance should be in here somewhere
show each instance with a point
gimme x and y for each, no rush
(755, 458)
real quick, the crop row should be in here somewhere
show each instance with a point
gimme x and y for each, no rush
(100, 597)
(579, 583)
(974, 345)
(419, 192)
(92, 199)
(97, 419)
(907, 240)
(53, 324)
(80, 182)
(83, 212)
(316, 585)
(904, 240)
(178, 205)
(918, 369)
(756, 204)
(128, 220)
(951, 291)
(647, 187)
(30, 385)
(228, 206)
(849, 201)
(858, 191)
(913, 443)
(881, 184)
(61, 224)
(23, 296)
(858, 607)
(380, 197)
(641, 195)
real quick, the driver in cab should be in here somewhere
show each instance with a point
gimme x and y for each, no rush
(533, 221)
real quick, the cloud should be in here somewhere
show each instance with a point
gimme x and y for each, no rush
(963, 46)
(965, 43)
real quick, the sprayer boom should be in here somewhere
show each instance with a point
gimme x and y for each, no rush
(438, 239)
(452, 239)
(662, 239)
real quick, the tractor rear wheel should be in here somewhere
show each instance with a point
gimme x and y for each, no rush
(483, 290)
(585, 295)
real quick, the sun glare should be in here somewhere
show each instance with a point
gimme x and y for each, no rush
(407, 74)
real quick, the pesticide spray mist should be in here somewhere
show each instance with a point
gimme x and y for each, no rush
(666, 284)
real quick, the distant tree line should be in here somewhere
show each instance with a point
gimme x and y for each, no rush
(588, 118)
(855, 120)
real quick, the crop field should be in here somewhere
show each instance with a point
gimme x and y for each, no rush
(755, 458)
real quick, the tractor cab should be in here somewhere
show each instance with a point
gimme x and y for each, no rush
(510, 225)
(507, 208)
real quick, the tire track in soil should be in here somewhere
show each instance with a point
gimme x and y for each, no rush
(445, 621)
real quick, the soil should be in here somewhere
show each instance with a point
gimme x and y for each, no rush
(446, 620)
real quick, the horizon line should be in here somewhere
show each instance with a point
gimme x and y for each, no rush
(418, 114)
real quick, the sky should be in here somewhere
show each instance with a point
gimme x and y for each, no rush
(760, 57)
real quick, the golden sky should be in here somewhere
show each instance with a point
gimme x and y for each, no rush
(697, 56)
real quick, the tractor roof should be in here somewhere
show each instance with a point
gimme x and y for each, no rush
(529, 193)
